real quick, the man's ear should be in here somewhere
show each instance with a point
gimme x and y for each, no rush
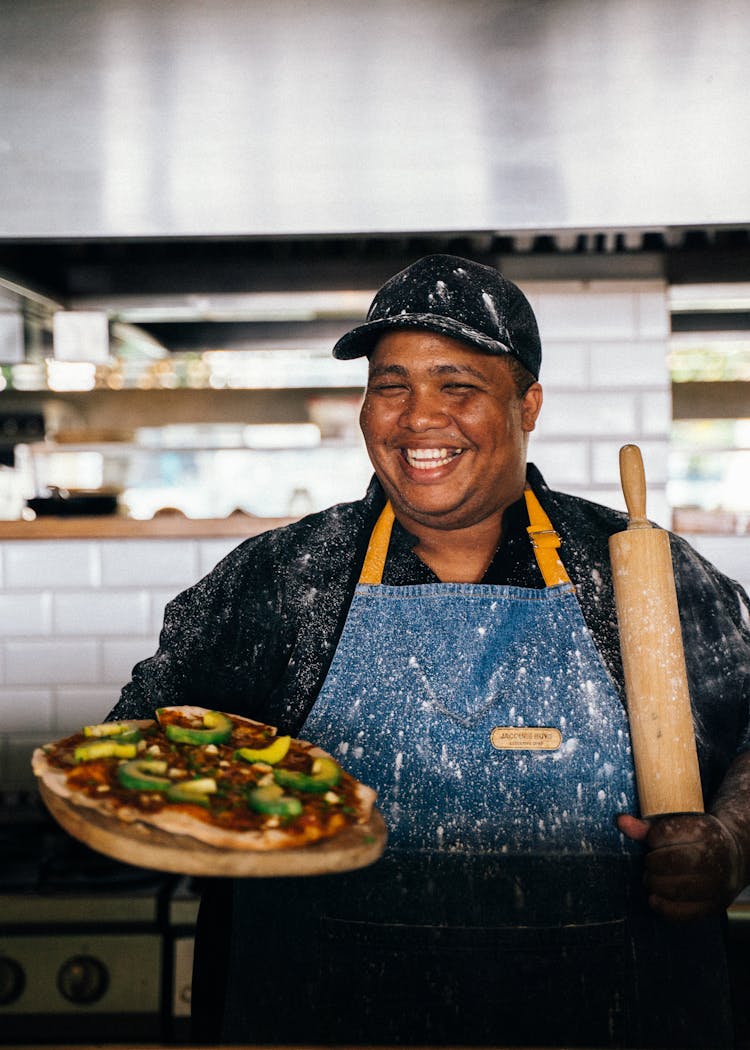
(531, 406)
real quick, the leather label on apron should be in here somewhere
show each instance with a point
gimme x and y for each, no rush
(525, 738)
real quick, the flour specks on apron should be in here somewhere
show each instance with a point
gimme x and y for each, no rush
(422, 676)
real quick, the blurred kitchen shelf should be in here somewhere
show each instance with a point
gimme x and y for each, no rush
(163, 526)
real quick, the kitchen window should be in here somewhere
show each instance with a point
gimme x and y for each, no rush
(709, 471)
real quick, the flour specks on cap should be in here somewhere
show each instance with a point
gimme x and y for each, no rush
(454, 297)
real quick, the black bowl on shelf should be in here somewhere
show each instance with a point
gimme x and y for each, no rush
(67, 503)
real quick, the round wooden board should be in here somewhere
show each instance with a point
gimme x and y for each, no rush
(149, 847)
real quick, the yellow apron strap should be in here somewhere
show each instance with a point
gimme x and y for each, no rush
(377, 549)
(545, 542)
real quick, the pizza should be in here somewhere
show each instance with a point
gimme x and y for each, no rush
(219, 778)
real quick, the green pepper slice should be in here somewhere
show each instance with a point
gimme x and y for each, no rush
(94, 749)
(271, 754)
(218, 730)
(196, 791)
(144, 774)
(125, 732)
(272, 801)
(325, 774)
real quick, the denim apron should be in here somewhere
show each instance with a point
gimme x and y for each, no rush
(488, 724)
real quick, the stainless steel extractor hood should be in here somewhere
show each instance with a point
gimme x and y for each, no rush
(244, 118)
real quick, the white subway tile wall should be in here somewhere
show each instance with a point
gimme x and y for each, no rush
(84, 612)
(565, 366)
(148, 562)
(656, 413)
(606, 383)
(588, 416)
(210, 553)
(51, 564)
(159, 598)
(605, 463)
(567, 462)
(52, 661)
(81, 705)
(120, 655)
(23, 614)
(26, 709)
(76, 615)
(629, 365)
(653, 318)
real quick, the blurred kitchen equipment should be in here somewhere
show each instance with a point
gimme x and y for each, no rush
(12, 499)
(67, 503)
(17, 428)
(11, 336)
(80, 335)
(86, 943)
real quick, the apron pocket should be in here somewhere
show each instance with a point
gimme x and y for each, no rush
(402, 984)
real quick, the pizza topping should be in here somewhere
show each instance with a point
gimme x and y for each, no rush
(263, 767)
(271, 799)
(143, 774)
(217, 729)
(125, 732)
(195, 791)
(95, 749)
(325, 774)
(252, 782)
(271, 755)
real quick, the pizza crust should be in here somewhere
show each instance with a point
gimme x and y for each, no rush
(197, 713)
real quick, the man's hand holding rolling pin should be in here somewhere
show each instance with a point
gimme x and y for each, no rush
(697, 863)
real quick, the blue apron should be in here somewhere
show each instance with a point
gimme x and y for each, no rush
(488, 724)
(484, 718)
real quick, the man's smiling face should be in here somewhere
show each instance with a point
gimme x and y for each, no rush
(445, 429)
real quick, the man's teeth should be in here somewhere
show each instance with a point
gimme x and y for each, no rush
(429, 458)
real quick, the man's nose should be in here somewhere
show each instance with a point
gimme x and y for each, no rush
(423, 411)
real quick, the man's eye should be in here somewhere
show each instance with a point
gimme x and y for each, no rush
(459, 387)
(388, 388)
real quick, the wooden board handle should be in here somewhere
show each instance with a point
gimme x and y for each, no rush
(633, 478)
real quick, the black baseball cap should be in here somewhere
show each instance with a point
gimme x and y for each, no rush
(456, 297)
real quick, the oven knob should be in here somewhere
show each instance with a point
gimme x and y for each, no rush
(12, 980)
(82, 979)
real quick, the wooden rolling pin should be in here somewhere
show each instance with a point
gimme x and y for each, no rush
(661, 722)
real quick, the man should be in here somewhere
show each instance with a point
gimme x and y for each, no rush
(520, 900)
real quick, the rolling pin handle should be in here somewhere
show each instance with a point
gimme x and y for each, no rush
(633, 478)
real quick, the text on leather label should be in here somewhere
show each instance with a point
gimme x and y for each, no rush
(525, 738)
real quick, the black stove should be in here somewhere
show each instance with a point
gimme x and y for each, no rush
(87, 944)
(39, 857)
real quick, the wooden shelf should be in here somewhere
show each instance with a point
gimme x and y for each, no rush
(164, 526)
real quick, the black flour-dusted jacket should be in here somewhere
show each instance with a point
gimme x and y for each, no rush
(256, 636)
